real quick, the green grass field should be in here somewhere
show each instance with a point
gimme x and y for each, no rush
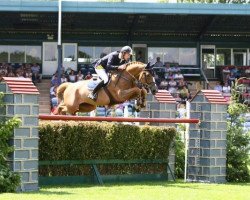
(139, 191)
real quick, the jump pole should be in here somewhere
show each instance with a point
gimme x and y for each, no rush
(116, 119)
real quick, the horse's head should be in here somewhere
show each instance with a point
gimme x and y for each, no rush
(147, 78)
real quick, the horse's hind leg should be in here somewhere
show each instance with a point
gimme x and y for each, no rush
(85, 107)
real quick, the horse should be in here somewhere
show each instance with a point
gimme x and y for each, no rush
(133, 82)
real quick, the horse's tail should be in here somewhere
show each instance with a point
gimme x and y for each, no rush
(61, 89)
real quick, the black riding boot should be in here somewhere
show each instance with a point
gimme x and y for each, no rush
(93, 94)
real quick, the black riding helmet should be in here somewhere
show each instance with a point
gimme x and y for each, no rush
(127, 49)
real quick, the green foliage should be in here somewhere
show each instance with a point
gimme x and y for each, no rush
(8, 179)
(237, 141)
(179, 157)
(104, 141)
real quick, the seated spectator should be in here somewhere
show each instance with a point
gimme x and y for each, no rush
(158, 63)
(167, 69)
(53, 91)
(181, 82)
(178, 75)
(172, 86)
(72, 76)
(11, 74)
(19, 74)
(184, 93)
(1, 76)
(231, 78)
(247, 71)
(218, 86)
(169, 76)
(88, 76)
(226, 89)
(164, 84)
(64, 79)
(35, 69)
(176, 68)
(28, 73)
(80, 76)
(236, 72)
(55, 80)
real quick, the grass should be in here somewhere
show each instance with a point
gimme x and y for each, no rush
(139, 191)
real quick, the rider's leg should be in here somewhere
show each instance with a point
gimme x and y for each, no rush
(103, 75)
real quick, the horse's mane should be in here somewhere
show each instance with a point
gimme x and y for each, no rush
(134, 63)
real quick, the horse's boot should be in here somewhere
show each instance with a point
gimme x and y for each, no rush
(93, 94)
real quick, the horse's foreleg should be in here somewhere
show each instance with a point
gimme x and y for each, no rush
(143, 97)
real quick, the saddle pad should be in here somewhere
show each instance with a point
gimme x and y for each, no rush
(92, 84)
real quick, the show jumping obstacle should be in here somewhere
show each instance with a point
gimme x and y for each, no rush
(206, 139)
(116, 119)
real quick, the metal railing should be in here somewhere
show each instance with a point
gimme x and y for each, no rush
(206, 84)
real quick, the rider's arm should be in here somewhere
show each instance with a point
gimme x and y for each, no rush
(110, 65)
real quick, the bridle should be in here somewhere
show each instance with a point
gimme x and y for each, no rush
(134, 80)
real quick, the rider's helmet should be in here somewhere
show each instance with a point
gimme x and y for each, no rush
(127, 49)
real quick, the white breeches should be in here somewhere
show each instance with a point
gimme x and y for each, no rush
(102, 74)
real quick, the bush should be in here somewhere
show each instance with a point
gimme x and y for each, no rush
(237, 141)
(179, 158)
(104, 141)
(8, 179)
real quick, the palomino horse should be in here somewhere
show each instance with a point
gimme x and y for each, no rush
(124, 85)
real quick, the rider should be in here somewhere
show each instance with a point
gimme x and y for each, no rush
(113, 61)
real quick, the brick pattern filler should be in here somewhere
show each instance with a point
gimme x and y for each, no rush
(24, 159)
(207, 141)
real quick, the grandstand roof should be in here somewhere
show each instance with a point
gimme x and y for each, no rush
(125, 21)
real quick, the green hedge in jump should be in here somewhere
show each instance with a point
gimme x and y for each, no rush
(102, 141)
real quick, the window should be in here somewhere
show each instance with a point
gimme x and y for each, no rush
(223, 57)
(102, 51)
(240, 57)
(171, 55)
(50, 52)
(187, 56)
(85, 54)
(69, 52)
(154, 52)
(3, 54)
(17, 54)
(208, 57)
(182, 56)
(33, 54)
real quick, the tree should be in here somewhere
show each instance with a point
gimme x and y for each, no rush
(237, 140)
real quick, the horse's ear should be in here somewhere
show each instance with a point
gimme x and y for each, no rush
(148, 66)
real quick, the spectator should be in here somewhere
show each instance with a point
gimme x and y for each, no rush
(88, 76)
(231, 78)
(226, 89)
(181, 111)
(218, 86)
(158, 62)
(167, 70)
(184, 93)
(72, 76)
(139, 57)
(236, 72)
(35, 69)
(53, 91)
(54, 100)
(64, 79)
(55, 80)
(225, 73)
(172, 86)
(80, 76)
(11, 73)
(169, 76)
(164, 84)
(178, 75)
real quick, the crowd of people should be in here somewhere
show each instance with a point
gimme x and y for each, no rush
(31, 71)
(229, 75)
(170, 78)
